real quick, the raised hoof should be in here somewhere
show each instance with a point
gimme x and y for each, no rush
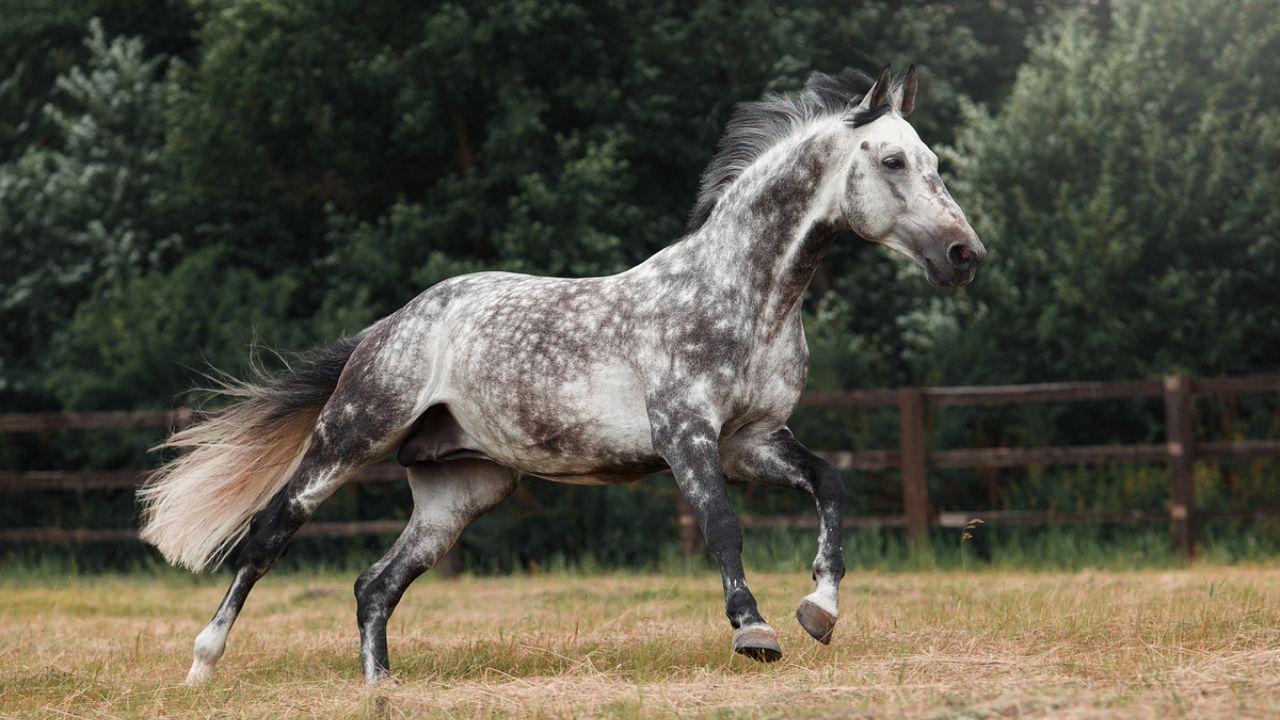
(757, 642)
(817, 622)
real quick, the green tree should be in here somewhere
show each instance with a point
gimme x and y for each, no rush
(147, 338)
(386, 146)
(1126, 192)
(89, 213)
(285, 172)
(41, 40)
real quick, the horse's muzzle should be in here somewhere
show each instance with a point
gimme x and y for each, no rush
(958, 266)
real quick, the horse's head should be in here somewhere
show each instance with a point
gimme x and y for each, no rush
(892, 193)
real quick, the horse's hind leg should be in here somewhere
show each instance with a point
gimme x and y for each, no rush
(779, 459)
(447, 497)
(349, 434)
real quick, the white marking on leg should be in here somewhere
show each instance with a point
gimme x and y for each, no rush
(210, 644)
(212, 641)
(757, 626)
(827, 596)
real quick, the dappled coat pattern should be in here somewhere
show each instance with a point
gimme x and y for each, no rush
(691, 361)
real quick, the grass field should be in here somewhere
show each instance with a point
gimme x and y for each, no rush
(1178, 643)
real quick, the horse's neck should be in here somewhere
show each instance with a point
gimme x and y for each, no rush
(769, 232)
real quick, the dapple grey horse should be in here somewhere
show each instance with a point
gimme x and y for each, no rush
(691, 362)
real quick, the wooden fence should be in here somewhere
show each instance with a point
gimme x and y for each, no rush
(912, 458)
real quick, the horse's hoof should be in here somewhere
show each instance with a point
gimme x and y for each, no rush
(757, 642)
(817, 622)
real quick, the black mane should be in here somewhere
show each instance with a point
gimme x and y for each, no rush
(757, 126)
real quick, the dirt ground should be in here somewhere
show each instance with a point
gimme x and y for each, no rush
(1201, 642)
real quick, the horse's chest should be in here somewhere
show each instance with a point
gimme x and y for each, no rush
(771, 385)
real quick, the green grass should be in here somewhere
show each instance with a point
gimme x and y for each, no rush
(1057, 548)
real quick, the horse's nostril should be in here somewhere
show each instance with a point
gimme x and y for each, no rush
(962, 256)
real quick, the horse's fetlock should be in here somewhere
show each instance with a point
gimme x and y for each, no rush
(210, 644)
(740, 607)
(830, 566)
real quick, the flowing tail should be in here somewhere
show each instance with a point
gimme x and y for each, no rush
(196, 507)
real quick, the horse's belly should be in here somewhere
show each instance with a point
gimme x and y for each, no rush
(615, 474)
(590, 427)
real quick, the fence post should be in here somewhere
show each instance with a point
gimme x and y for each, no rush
(911, 455)
(687, 527)
(1181, 444)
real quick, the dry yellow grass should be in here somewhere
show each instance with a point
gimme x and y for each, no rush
(1196, 643)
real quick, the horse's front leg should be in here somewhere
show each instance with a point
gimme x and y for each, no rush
(687, 440)
(779, 459)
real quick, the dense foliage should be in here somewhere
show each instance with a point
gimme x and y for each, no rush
(179, 181)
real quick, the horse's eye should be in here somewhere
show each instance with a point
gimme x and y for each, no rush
(894, 162)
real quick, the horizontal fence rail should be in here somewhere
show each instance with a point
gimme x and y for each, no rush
(101, 420)
(912, 458)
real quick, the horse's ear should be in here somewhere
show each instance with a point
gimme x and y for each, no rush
(904, 96)
(879, 93)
